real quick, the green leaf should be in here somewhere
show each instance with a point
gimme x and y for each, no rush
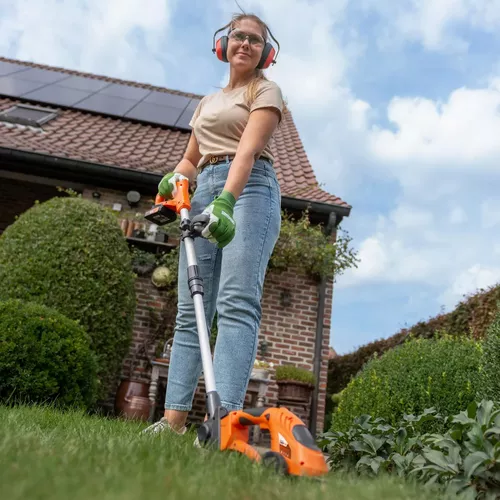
(484, 412)
(361, 446)
(492, 431)
(439, 459)
(473, 461)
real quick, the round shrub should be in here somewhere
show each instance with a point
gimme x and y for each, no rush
(44, 357)
(443, 373)
(70, 254)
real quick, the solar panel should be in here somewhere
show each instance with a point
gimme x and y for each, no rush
(41, 75)
(193, 104)
(167, 99)
(106, 104)
(16, 88)
(6, 68)
(54, 94)
(184, 119)
(187, 114)
(82, 83)
(100, 96)
(154, 113)
(125, 91)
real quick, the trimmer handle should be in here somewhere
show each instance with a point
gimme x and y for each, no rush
(164, 210)
(181, 199)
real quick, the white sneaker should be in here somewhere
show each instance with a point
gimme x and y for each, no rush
(161, 426)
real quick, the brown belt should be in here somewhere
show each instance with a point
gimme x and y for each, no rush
(219, 159)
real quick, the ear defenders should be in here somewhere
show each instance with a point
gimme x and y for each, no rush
(269, 54)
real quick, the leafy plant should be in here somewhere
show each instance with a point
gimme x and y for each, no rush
(443, 373)
(464, 461)
(305, 246)
(70, 254)
(44, 357)
(295, 373)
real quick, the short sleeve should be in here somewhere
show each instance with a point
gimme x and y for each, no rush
(268, 95)
(196, 113)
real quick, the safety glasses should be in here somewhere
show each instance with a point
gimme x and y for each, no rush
(240, 36)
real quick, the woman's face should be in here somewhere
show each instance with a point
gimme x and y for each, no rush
(245, 45)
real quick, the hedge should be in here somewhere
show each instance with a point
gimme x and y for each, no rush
(70, 255)
(471, 318)
(44, 357)
(442, 373)
(490, 386)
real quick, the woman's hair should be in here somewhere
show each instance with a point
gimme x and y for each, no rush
(251, 91)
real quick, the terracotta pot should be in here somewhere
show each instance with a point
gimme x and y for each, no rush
(131, 400)
(293, 391)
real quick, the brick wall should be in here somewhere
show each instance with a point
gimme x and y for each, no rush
(289, 330)
(18, 196)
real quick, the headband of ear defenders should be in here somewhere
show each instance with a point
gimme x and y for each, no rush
(269, 54)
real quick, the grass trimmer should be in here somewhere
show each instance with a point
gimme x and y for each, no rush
(293, 449)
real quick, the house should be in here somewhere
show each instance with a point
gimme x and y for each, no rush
(111, 139)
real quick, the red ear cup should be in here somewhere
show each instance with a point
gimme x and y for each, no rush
(221, 48)
(267, 56)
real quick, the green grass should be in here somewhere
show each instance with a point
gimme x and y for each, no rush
(46, 454)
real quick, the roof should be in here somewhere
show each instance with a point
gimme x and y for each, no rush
(81, 135)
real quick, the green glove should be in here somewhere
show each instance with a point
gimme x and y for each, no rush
(221, 226)
(168, 185)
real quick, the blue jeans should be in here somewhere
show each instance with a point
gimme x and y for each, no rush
(233, 279)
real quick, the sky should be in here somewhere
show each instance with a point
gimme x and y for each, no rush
(397, 104)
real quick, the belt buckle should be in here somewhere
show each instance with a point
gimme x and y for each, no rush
(213, 160)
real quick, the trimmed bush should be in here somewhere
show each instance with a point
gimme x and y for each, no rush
(44, 357)
(490, 387)
(441, 373)
(70, 254)
(470, 318)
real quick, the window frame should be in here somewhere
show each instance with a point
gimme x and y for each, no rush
(50, 115)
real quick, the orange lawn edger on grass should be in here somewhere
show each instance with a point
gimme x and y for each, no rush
(293, 449)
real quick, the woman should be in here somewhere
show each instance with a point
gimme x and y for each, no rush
(229, 156)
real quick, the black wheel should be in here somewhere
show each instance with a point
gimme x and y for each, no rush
(275, 461)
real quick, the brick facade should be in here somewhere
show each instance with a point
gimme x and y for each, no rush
(290, 330)
(17, 196)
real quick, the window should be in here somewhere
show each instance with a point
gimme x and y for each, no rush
(23, 114)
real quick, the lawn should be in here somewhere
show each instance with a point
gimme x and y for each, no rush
(45, 454)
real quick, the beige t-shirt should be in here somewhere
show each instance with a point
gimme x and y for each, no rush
(220, 118)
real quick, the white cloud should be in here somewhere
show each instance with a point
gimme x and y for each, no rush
(457, 216)
(474, 278)
(490, 213)
(92, 35)
(406, 216)
(433, 23)
(459, 134)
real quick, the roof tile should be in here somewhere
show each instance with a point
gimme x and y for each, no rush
(78, 135)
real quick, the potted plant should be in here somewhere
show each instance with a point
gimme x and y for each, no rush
(261, 367)
(295, 384)
(142, 262)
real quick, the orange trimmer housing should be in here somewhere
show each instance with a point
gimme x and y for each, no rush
(293, 449)
(165, 211)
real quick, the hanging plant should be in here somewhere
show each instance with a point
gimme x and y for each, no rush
(305, 246)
